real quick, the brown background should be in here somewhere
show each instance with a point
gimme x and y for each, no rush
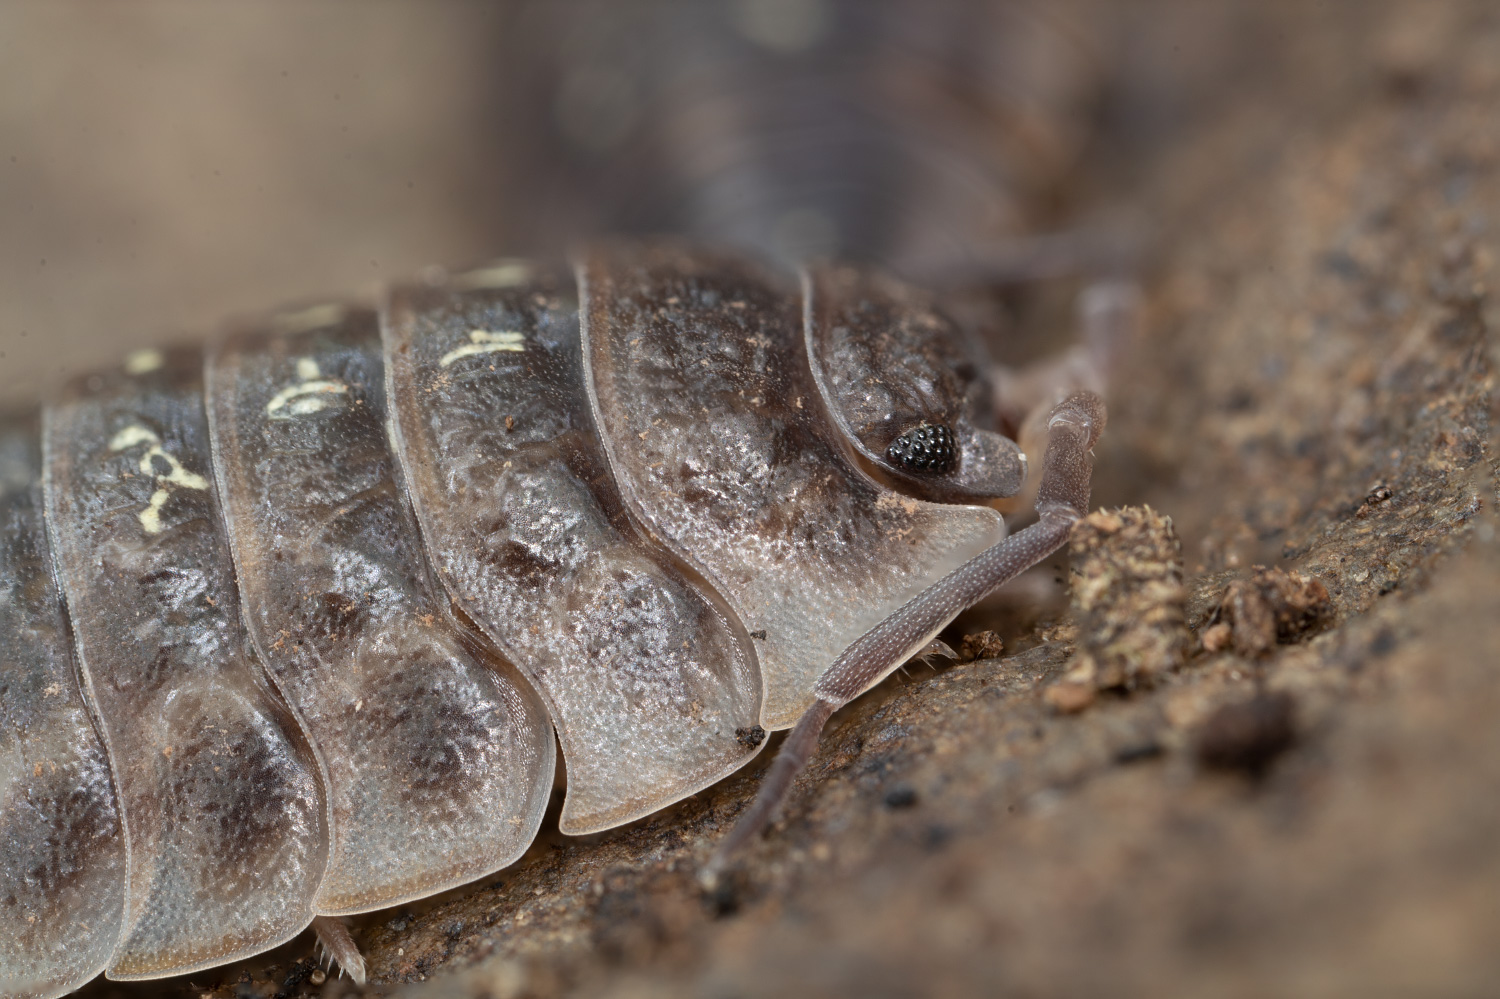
(165, 165)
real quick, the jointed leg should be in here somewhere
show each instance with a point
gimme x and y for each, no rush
(1072, 429)
(1109, 317)
(335, 938)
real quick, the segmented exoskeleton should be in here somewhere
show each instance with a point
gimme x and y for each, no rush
(303, 575)
(296, 619)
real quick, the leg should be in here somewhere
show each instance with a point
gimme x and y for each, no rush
(1109, 317)
(1074, 426)
(335, 938)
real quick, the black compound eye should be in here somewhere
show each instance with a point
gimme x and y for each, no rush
(927, 447)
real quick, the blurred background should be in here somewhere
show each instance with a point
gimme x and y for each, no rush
(164, 165)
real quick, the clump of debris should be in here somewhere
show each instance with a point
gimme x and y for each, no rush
(1272, 606)
(981, 645)
(1129, 603)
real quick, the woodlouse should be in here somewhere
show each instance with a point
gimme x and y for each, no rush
(638, 496)
(195, 486)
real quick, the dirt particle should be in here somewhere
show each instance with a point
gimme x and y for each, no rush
(1217, 637)
(984, 645)
(937, 837)
(750, 738)
(727, 895)
(1247, 736)
(1138, 752)
(1071, 696)
(1271, 606)
(1128, 600)
(901, 795)
(1377, 495)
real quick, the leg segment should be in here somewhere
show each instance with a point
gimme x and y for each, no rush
(1109, 315)
(1072, 429)
(335, 938)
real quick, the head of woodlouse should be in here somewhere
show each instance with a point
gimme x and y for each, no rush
(907, 386)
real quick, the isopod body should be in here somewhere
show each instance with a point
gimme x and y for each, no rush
(295, 622)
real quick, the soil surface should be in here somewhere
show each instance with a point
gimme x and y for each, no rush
(1306, 802)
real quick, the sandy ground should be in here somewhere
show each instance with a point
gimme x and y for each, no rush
(1312, 391)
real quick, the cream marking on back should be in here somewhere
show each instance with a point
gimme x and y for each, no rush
(303, 320)
(500, 274)
(143, 362)
(136, 435)
(485, 342)
(312, 393)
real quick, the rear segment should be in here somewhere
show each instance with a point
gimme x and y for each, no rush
(62, 870)
(218, 793)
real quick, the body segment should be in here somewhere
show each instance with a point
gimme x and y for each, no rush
(222, 809)
(718, 438)
(64, 858)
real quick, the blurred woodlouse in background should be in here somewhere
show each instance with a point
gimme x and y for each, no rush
(663, 526)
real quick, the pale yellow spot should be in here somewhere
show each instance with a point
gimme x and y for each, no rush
(500, 274)
(311, 394)
(485, 342)
(131, 436)
(143, 362)
(151, 516)
(176, 475)
(314, 317)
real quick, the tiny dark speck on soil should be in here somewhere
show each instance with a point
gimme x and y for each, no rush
(725, 897)
(937, 837)
(901, 796)
(1247, 736)
(1138, 752)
